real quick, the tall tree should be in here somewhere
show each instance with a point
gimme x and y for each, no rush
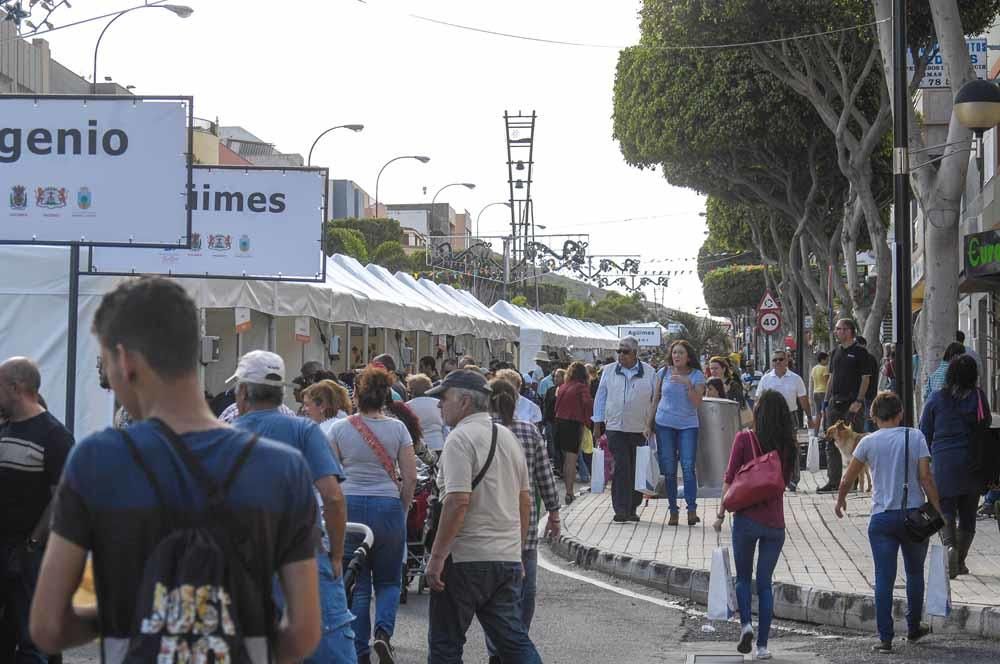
(938, 190)
(718, 123)
(837, 75)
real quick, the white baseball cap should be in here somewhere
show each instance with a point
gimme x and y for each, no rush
(261, 368)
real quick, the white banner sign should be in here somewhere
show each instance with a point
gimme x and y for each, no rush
(247, 222)
(938, 71)
(94, 170)
(647, 336)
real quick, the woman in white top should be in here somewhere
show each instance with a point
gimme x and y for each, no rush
(326, 402)
(885, 452)
(427, 410)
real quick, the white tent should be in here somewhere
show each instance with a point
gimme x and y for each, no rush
(34, 302)
(540, 331)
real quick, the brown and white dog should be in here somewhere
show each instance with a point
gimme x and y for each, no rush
(846, 439)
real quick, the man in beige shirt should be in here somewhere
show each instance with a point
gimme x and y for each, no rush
(475, 567)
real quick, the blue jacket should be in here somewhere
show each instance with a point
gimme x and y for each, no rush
(946, 424)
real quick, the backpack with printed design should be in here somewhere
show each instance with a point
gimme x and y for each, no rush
(197, 575)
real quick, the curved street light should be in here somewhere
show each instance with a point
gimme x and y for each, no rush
(352, 127)
(485, 207)
(467, 185)
(182, 11)
(422, 159)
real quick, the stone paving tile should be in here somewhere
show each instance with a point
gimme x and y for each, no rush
(820, 550)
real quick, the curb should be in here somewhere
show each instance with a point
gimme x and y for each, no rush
(791, 601)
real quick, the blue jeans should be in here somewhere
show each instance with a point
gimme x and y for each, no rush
(887, 536)
(529, 586)
(581, 467)
(671, 443)
(383, 569)
(336, 644)
(18, 576)
(489, 591)
(748, 535)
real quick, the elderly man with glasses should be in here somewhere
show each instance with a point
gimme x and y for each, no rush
(790, 385)
(622, 408)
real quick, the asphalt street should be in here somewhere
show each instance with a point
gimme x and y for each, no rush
(583, 617)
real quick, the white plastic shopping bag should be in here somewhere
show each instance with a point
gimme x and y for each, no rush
(644, 459)
(721, 589)
(597, 480)
(812, 455)
(938, 585)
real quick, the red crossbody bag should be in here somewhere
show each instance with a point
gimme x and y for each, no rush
(758, 480)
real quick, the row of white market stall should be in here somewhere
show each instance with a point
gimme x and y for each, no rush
(357, 313)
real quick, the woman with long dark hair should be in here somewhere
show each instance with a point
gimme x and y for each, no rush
(761, 527)
(574, 408)
(376, 450)
(680, 387)
(949, 417)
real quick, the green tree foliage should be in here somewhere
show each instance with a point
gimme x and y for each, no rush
(375, 231)
(391, 256)
(418, 262)
(519, 301)
(732, 288)
(706, 335)
(346, 241)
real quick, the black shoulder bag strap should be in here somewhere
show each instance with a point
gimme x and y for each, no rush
(489, 460)
(906, 467)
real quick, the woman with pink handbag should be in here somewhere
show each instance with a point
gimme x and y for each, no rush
(760, 466)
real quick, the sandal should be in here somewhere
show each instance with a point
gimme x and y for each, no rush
(570, 498)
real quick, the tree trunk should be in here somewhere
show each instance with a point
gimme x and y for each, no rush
(938, 193)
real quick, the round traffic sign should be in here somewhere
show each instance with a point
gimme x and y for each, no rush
(770, 322)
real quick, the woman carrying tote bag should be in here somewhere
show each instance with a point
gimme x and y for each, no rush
(760, 527)
(901, 473)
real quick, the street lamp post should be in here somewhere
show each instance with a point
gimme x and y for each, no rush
(183, 11)
(467, 185)
(422, 159)
(352, 127)
(485, 207)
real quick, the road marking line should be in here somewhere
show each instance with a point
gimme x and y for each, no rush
(555, 569)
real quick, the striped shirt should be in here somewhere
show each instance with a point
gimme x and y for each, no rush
(936, 380)
(542, 481)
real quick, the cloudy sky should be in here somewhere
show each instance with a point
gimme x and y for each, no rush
(288, 70)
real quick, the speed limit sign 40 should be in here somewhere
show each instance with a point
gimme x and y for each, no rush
(769, 322)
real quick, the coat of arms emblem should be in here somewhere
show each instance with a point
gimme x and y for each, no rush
(50, 197)
(18, 197)
(220, 242)
(84, 199)
(195, 241)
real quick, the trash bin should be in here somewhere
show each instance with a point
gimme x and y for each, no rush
(718, 423)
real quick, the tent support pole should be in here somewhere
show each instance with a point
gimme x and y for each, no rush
(364, 354)
(71, 336)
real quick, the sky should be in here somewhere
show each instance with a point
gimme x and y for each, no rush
(288, 70)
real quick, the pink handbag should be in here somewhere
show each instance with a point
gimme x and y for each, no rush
(758, 480)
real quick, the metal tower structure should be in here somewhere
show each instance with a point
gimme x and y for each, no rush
(520, 135)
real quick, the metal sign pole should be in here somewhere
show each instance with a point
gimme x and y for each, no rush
(71, 335)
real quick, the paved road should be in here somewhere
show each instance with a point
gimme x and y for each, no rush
(588, 618)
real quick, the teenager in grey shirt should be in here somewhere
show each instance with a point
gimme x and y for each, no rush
(885, 452)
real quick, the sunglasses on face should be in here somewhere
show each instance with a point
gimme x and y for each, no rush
(624, 351)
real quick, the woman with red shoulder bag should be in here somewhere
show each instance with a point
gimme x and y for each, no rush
(759, 527)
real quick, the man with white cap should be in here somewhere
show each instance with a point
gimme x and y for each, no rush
(260, 385)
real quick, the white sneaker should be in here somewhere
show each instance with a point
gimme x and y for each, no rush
(746, 640)
(762, 653)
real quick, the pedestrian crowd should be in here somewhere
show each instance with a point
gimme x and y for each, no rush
(237, 526)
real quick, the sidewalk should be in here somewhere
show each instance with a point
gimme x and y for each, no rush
(825, 574)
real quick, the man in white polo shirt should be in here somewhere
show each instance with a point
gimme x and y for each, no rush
(789, 384)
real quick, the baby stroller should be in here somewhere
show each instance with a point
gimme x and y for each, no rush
(417, 552)
(359, 558)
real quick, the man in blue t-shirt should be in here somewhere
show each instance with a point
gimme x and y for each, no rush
(106, 506)
(260, 379)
